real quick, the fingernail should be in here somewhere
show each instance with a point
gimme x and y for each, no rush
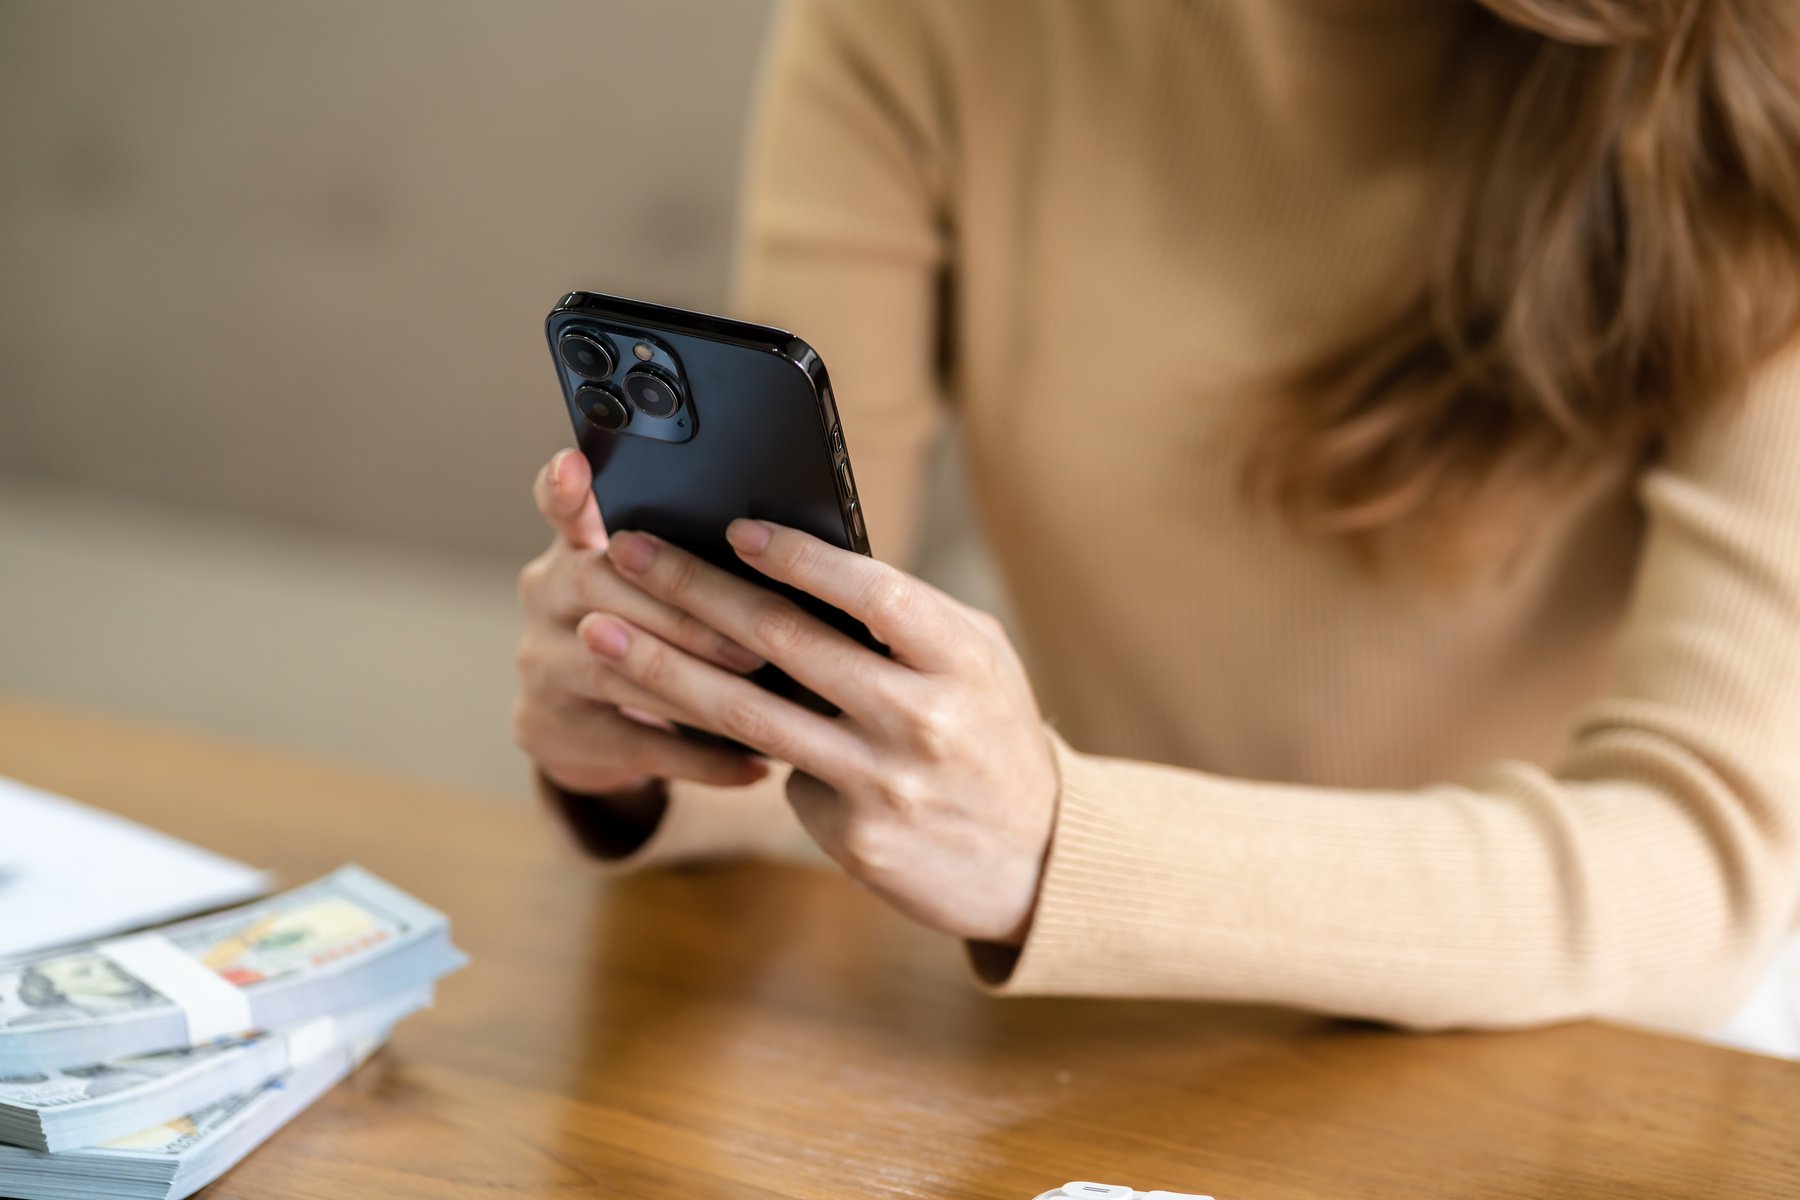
(560, 479)
(632, 551)
(737, 657)
(604, 635)
(747, 536)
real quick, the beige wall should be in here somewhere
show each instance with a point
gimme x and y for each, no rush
(291, 260)
(272, 381)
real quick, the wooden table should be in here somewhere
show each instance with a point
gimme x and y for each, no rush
(762, 1031)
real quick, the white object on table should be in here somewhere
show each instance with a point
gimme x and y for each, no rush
(1112, 1191)
(78, 873)
(1769, 1021)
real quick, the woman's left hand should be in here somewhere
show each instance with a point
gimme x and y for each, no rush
(936, 786)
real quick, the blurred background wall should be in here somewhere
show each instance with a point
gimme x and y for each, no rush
(272, 378)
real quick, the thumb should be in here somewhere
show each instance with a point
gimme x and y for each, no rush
(565, 495)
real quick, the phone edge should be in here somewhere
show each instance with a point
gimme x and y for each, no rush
(790, 347)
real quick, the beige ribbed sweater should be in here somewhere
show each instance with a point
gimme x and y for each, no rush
(1090, 229)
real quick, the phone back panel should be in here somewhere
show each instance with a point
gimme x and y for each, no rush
(765, 441)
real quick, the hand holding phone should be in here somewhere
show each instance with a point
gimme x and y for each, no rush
(690, 421)
(920, 760)
(685, 422)
(589, 730)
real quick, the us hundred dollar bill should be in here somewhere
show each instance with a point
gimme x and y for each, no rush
(342, 942)
(181, 1155)
(80, 1106)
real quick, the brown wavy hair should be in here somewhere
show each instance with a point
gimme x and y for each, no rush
(1618, 251)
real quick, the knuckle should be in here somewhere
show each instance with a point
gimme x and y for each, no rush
(648, 665)
(536, 668)
(782, 628)
(986, 652)
(904, 793)
(534, 580)
(679, 575)
(868, 677)
(891, 599)
(690, 632)
(988, 624)
(802, 555)
(746, 720)
(868, 845)
(526, 728)
(525, 661)
(934, 727)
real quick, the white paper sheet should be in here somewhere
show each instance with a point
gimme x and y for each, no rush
(78, 873)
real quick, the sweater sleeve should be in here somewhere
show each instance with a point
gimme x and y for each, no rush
(1647, 878)
(842, 241)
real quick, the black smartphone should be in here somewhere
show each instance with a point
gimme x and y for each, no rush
(690, 421)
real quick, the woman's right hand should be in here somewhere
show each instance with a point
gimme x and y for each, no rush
(590, 730)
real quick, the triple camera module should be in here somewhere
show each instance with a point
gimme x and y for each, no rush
(649, 397)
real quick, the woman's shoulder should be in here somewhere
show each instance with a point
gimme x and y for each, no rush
(948, 66)
(1742, 454)
(987, 33)
(891, 28)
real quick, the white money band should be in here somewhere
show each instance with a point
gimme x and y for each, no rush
(311, 1041)
(212, 1006)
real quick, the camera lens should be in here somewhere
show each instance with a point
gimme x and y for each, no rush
(586, 354)
(651, 394)
(602, 408)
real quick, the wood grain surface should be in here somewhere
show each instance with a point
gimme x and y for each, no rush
(764, 1031)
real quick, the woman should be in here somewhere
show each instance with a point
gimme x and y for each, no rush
(1386, 415)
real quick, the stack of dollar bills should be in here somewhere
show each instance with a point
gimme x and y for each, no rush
(146, 1066)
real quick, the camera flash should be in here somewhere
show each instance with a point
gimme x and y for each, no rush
(643, 351)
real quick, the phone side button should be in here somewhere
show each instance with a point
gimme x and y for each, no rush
(837, 440)
(847, 490)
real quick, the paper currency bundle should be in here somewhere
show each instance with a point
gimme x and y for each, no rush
(180, 1156)
(146, 1066)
